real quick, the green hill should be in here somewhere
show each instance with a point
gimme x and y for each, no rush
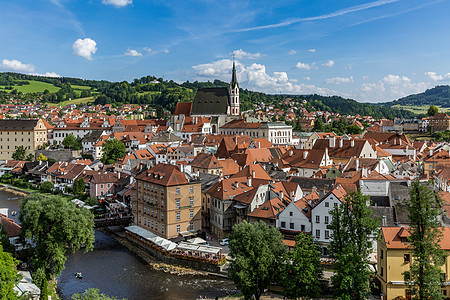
(439, 96)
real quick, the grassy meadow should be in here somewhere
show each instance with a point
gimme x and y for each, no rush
(421, 109)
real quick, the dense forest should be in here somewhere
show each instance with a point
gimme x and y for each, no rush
(439, 95)
(163, 94)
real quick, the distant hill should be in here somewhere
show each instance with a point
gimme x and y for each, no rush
(164, 94)
(439, 96)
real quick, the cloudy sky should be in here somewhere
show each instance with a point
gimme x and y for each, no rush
(371, 51)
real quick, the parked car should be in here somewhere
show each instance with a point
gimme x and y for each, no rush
(224, 242)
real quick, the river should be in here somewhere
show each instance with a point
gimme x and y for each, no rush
(116, 271)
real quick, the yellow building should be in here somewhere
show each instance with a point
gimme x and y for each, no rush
(394, 258)
(27, 133)
(166, 203)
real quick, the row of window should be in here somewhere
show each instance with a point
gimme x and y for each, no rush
(15, 147)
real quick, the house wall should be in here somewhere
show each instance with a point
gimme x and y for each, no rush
(293, 215)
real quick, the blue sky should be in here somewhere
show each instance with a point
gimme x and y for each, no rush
(370, 51)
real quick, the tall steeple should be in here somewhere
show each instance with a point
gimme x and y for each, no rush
(234, 93)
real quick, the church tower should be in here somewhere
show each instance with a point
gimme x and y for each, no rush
(234, 93)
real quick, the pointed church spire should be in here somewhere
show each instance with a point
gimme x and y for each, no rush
(234, 82)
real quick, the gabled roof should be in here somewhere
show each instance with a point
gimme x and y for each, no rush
(229, 166)
(393, 236)
(11, 227)
(211, 101)
(253, 171)
(205, 161)
(268, 210)
(164, 174)
(183, 108)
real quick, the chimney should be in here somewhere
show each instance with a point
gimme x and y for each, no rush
(292, 195)
(236, 184)
(364, 172)
(118, 175)
(249, 181)
(431, 152)
(341, 142)
(352, 143)
(399, 141)
(259, 144)
(384, 223)
(357, 165)
(395, 142)
(332, 142)
(305, 154)
(253, 173)
(291, 153)
(235, 140)
(281, 195)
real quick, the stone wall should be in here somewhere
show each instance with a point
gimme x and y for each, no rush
(60, 155)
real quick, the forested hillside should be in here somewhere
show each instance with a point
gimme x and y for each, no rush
(163, 94)
(439, 96)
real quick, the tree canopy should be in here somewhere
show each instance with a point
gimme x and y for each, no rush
(21, 154)
(70, 141)
(113, 149)
(257, 250)
(353, 230)
(8, 275)
(54, 226)
(432, 110)
(423, 208)
(301, 269)
(93, 294)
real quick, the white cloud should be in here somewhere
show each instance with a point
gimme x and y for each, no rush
(166, 51)
(131, 52)
(256, 78)
(307, 78)
(312, 50)
(302, 66)
(47, 74)
(391, 87)
(241, 54)
(328, 64)
(339, 80)
(147, 49)
(292, 52)
(16, 65)
(117, 3)
(434, 76)
(84, 48)
(365, 77)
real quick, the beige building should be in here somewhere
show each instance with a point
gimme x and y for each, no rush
(277, 133)
(27, 133)
(166, 203)
(394, 257)
(440, 122)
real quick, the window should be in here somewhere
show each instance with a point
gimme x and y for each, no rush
(191, 213)
(327, 204)
(178, 192)
(291, 213)
(152, 224)
(318, 234)
(335, 204)
(191, 226)
(327, 234)
(177, 203)
(381, 254)
(156, 189)
(406, 258)
(152, 213)
(317, 219)
(283, 224)
(302, 228)
(162, 202)
(327, 219)
(178, 228)
(191, 201)
(381, 271)
(178, 216)
(156, 225)
(291, 225)
(162, 191)
(191, 189)
(162, 216)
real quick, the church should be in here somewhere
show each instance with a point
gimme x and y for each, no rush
(220, 105)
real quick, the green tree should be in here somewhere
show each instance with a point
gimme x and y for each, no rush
(318, 125)
(423, 207)
(47, 186)
(432, 110)
(79, 186)
(41, 157)
(54, 226)
(93, 294)
(353, 230)
(302, 270)
(257, 250)
(19, 153)
(112, 150)
(8, 276)
(71, 142)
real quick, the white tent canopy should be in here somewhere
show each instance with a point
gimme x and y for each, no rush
(150, 236)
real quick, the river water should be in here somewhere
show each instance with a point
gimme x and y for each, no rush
(116, 271)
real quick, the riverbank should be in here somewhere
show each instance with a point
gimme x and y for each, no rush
(14, 190)
(152, 261)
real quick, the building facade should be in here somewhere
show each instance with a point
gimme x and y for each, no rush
(167, 203)
(29, 134)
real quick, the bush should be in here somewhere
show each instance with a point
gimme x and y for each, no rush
(47, 186)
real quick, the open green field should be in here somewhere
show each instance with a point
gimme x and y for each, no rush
(35, 87)
(421, 137)
(74, 101)
(422, 109)
(81, 87)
